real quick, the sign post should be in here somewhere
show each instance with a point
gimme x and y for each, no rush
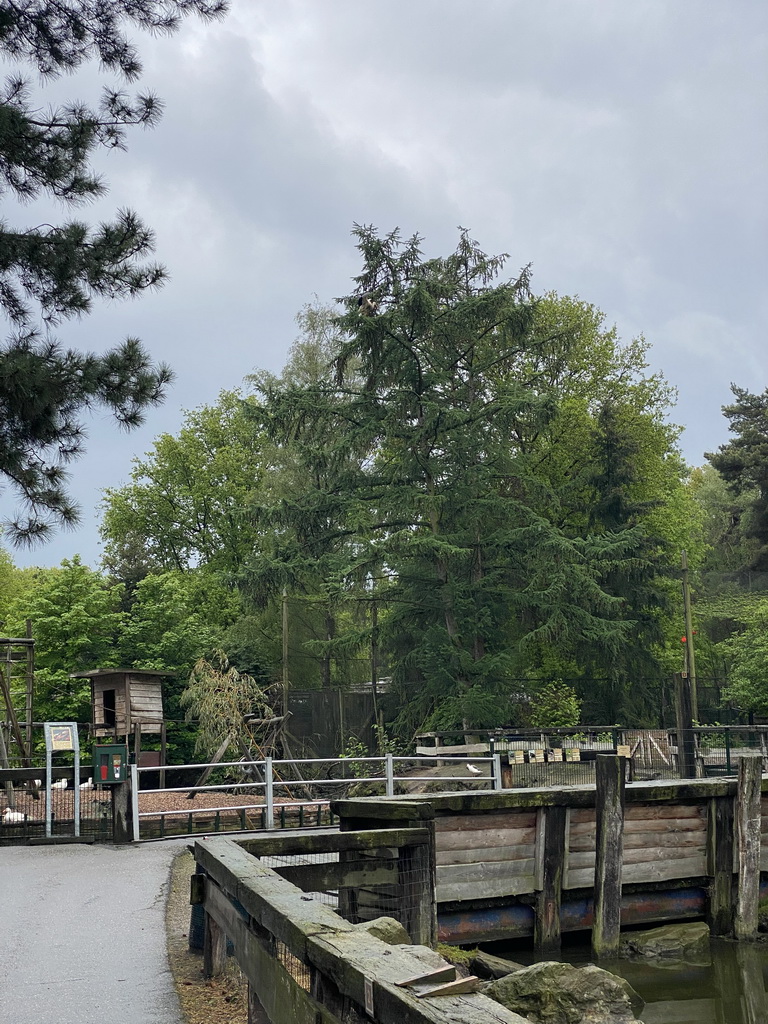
(61, 736)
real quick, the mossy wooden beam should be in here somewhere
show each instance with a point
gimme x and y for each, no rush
(610, 774)
(293, 842)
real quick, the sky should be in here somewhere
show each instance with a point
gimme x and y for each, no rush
(621, 148)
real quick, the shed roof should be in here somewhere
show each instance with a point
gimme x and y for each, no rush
(96, 673)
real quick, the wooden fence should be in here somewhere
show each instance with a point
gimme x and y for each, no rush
(530, 862)
(305, 964)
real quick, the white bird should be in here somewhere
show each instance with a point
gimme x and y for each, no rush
(88, 784)
(61, 784)
(35, 782)
(11, 817)
(474, 769)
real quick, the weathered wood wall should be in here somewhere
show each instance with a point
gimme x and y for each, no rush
(502, 853)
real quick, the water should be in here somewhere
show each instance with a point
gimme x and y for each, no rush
(726, 987)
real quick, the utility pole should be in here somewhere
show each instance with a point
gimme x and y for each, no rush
(690, 657)
(285, 651)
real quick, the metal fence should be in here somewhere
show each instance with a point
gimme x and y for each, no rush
(25, 803)
(273, 793)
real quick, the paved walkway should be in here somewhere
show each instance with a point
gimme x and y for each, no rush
(82, 935)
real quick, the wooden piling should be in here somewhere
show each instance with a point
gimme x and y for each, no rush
(748, 846)
(609, 806)
(214, 949)
(720, 907)
(547, 930)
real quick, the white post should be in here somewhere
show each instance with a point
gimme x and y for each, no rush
(389, 768)
(269, 800)
(497, 771)
(135, 801)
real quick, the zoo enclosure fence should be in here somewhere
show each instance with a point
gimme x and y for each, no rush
(281, 793)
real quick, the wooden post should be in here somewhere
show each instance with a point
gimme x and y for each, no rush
(285, 650)
(547, 922)
(10, 793)
(609, 810)
(163, 752)
(690, 658)
(122, 825)
(214, 949)
(748, 845)
(686, 748)
(416, 873)
(29, 690)
(137, 742)
(720, 865)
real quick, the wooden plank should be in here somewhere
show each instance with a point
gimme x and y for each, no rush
(482, 854)
(639, 840)
(366, 959)
(747, 814)
(698, 824)
(505, 837)
(291, 843)
(585, 815)
(448, 874)
(272, 901)
(576, 861)
(511, 819)
(283, 999)
(335, 875)
(460, 892)
(661, 871)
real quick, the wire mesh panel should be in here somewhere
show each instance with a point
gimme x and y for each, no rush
(23, 805)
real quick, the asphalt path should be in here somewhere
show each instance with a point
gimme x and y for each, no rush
(82, 935)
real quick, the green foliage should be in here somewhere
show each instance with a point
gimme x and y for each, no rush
(76, 625)
(59, 269)
(188, 498)
(218, 697)
(743, 464)
(555, 706)
(747, 650)
(492, 470)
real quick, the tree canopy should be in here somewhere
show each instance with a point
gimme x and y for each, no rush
(50, 273)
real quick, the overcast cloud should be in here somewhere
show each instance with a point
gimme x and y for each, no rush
(620, 147)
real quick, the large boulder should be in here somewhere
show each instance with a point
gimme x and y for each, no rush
(687, 941)
(555, 993)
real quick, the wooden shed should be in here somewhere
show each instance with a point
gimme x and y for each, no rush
(122, 698)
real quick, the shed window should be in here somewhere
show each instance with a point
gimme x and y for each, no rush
(110, 718)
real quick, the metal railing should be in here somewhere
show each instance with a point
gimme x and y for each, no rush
(276, 803)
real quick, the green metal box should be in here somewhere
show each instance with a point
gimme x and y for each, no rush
(110, 764)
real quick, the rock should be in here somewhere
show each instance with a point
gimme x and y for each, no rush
(681, 941)
(387, 929)
(555, 993)
(486, 965)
